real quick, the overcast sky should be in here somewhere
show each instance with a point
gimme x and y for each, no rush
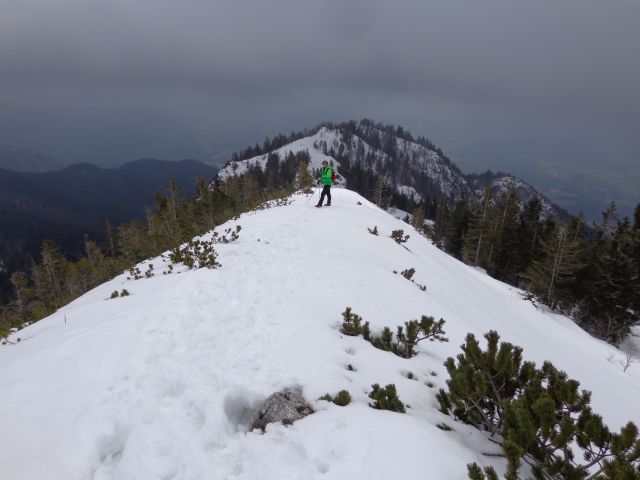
(547, 89)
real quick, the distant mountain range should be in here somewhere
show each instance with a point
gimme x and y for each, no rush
(414, 170)
(66, 204)
(24, 160)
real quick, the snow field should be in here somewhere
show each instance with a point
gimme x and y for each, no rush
(162, 384)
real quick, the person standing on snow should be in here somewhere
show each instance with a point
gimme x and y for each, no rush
(326, 179)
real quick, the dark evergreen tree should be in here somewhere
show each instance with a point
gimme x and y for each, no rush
(552, 275)
(476, 239)
(418, 218)
(609, 281)
(443, 217)
(530, 232)
(456, 228)
(503, 251)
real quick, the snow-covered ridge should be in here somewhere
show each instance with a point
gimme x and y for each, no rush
(328, 144)
(310, 144)
(161, 383)
(417, 170)
(500, 183)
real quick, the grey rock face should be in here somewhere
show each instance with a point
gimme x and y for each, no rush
(286, 407)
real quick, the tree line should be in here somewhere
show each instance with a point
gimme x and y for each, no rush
(588, 273)
(55, 280)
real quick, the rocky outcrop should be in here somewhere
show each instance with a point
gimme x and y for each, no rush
(285, 407)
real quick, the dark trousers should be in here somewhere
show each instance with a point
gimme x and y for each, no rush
(325, 191)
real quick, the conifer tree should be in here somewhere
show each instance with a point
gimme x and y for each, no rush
(504, 246)
(456, 228)
(530, 232)
(20, 284)
(475, 241)
(610, 282)
(271, 170)
(304, 180)
(175, 199)
(110, 241)
(161, 200)
(550, 277)
(418, 218)
(52, 267)
(249, 191)
(440, 226)
(204, 208)
(378, 191)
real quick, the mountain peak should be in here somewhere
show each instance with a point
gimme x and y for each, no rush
(414, 170)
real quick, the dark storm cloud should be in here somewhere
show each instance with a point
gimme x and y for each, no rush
(581, 53)
(459, 71)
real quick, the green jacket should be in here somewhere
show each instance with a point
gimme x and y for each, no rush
(327, 173)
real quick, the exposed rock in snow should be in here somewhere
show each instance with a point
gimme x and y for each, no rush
(282, 407)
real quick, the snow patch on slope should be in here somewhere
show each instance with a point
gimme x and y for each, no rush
(409, 192)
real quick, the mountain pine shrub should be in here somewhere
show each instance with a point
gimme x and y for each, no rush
(477, 473)
(136, 273)
(196, 254)
(399, 237)
(408, 273)
(444, 427)
(149, 272)
(169, 270)
(374, 230)
(115, 294)
(538, 415)
(230, 235)
(385, 398)
(352, 325)
(410, 335)
(406, 338)
(342, 399)
(481, 383)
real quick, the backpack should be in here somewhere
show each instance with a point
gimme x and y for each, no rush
(333, 175)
